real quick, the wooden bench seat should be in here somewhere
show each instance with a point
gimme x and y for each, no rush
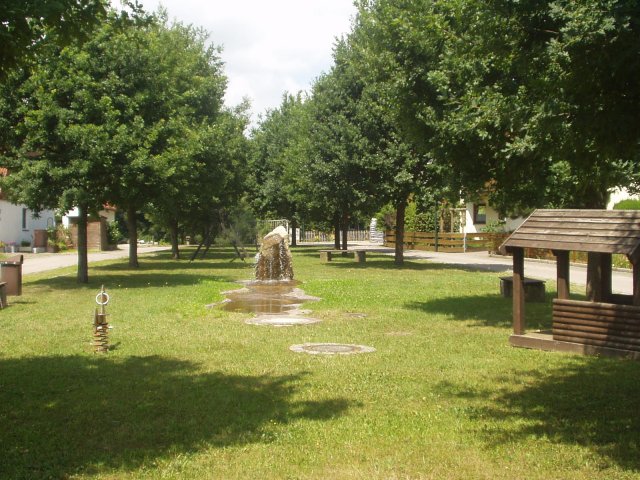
(359, 255)
(3, 295)
(533, 289)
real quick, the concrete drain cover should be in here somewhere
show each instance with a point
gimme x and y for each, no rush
(330, 348)
(281, 320)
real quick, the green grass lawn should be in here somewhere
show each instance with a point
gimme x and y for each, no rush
(195, 393)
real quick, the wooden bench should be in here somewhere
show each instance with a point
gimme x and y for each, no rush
(533, 289)
(360, 256)
(3, 295)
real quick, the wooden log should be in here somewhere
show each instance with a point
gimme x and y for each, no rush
(599, 307)
(611, 337)
(599, 343)
(595, 327)
(607, 322)
(603, 314)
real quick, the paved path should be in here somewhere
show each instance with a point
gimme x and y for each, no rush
(40, 262)
(545, 270)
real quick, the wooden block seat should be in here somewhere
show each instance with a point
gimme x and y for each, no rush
(534, 290)
(359, 255)
(3, 295)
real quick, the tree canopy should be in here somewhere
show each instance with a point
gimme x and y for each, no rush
(26, 25)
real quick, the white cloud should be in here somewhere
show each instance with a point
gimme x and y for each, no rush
(269, 47)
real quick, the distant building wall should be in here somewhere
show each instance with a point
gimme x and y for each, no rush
(96, 234)
(18, 223)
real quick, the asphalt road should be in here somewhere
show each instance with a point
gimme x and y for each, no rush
(41, 262)
(622, 281)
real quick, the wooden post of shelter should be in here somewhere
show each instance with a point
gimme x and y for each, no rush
(518, 291)
(636, 283)
(606, 270)
(562, 276)
(598, 276)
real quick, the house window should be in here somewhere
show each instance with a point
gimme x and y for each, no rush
(480, 213)
(24, 218)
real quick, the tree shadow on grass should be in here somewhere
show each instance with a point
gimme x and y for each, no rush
(136, 280)
(384, 262)
(387, 262)
(66, 415)
(154, 271)
(487, 310)
(592, 404)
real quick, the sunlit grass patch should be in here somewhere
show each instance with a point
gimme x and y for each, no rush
(190, 392)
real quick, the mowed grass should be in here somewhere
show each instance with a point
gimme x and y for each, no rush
(190, 392)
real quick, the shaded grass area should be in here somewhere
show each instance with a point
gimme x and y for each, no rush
(194, 393)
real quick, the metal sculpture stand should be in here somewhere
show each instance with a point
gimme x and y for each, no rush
(100, 325)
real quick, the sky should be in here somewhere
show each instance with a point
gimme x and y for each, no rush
(269, 46)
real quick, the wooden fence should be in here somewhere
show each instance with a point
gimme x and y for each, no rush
(318, 236)
(448, 242)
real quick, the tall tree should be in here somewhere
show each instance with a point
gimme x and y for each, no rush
(344, 180)
(168, 80)
(280, 150)
(521, 98)
(25, 26)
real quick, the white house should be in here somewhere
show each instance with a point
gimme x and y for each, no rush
(18, 223)
(479, 214)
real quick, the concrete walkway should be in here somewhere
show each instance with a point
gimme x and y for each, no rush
(41, 262)
(622, 281)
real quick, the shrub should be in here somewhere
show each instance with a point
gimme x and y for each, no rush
(628, 204)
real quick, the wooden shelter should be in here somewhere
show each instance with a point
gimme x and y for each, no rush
(606, 323)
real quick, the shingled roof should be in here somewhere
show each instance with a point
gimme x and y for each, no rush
(603, 231)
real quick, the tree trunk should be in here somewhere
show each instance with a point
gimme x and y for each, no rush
(294, 226)
(83, 260)
(399, 253)
(336, 230)
(345, 230)
(132, 225)
(173, 233)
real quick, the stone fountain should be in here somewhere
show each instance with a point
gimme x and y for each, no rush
(275, 300)
(273, 262)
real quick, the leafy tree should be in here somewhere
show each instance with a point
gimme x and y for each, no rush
(105, 120)
(522, 98)
(280, 151)
(26, 25)
(344, 180)
(171, 85)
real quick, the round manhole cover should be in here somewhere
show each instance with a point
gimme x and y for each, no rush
(281, 320)
(331, 348)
